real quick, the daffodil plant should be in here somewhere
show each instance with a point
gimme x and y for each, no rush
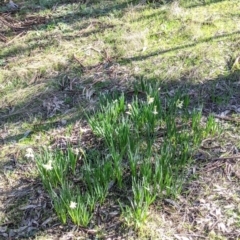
(147, 144)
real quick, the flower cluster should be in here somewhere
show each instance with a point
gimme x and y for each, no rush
(179, 104)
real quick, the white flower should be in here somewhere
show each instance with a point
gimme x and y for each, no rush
(130, 109)
(155, 112)
(48, 166)
(76, 151)
(73, 205)
(129, 106)
(179, 104)
(29, 153)
(150, 99)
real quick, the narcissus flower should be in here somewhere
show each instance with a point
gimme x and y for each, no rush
(48, 166)
(29, 153)
(179, 104)
(73, 205)
(155, 112)
(150, 99)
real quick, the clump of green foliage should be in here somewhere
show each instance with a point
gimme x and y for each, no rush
(148, 144)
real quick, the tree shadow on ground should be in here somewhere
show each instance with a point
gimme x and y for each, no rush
(214, 96)
(19, 27)
(20, 22)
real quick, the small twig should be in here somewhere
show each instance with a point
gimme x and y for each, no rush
(227, 118)
(3, 38)
(226, 158)
(19, 35)
(214, 167)
(219, 164)
(85, 29)
(214, 225)
(34, 78)
(191, 235)
(106, 55)
(79, 61)
(96, 50)
(4, 22)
